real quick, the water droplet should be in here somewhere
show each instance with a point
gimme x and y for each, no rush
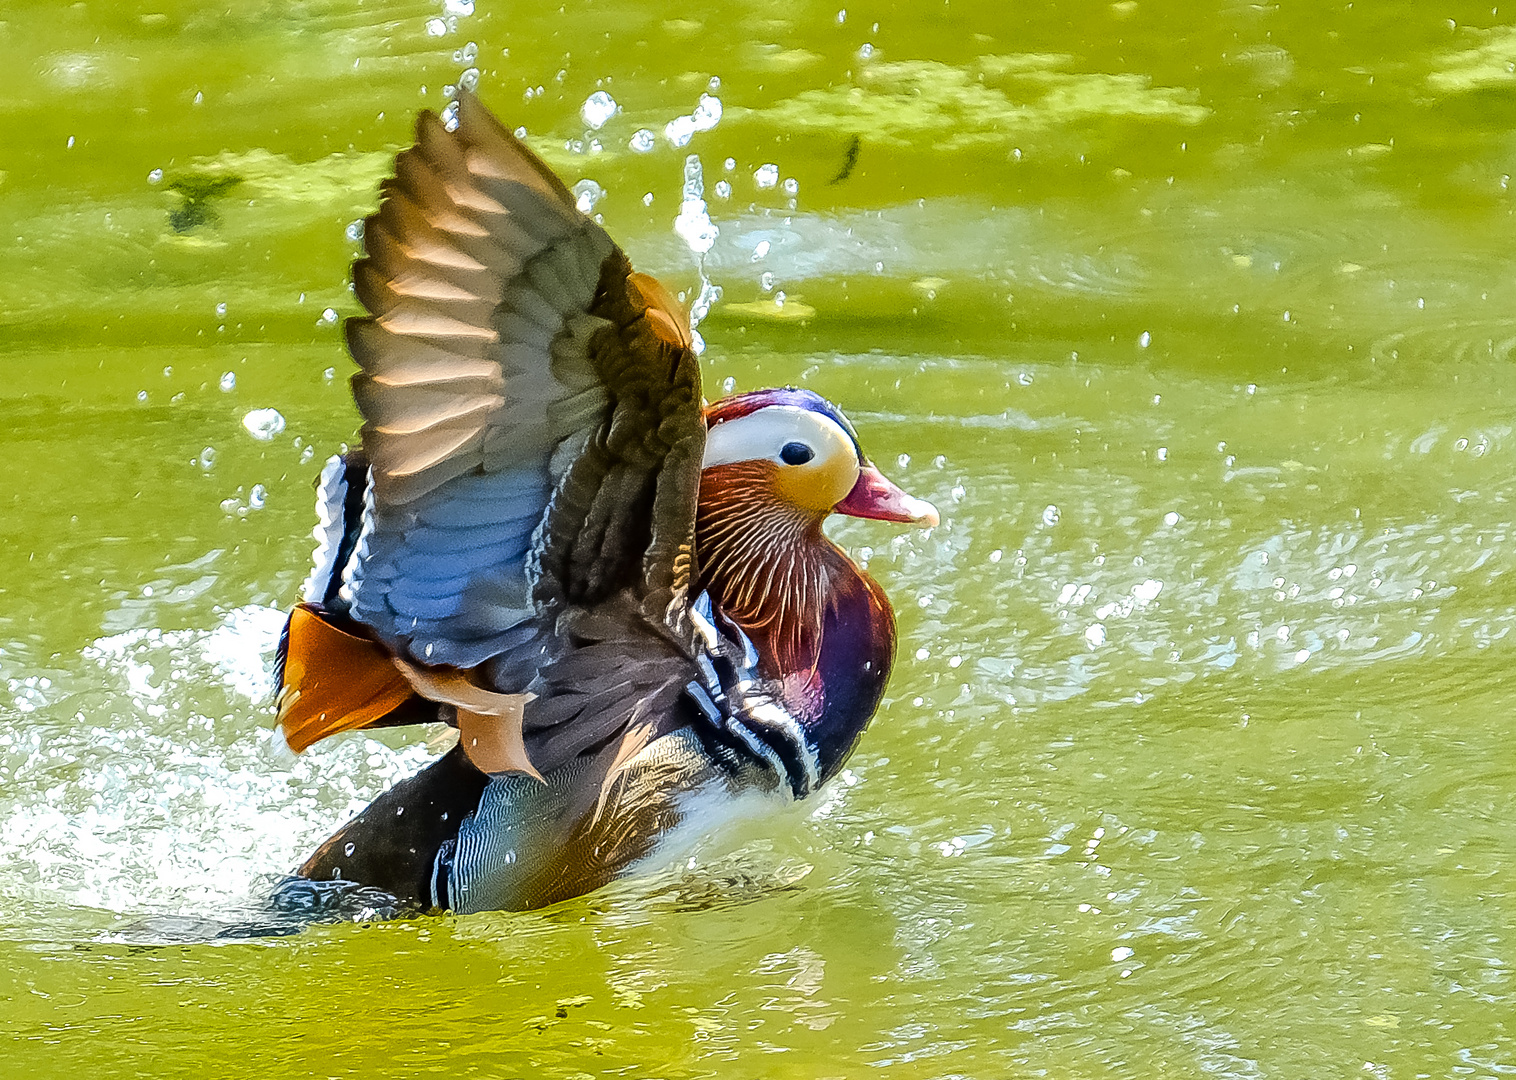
(587, 194)
(760, 250)
(791, 186)
(141, 395)
(642, 141)
(354, 231)
(435, 28)
(865, 51)
(597, 109)
(766, 282)
(1121, 953)
(694, 223)
(257, 497)
(228, 382)
(707, 113)
(766, 176)
(263, 424)
(679, 130)
(207, 457)
(1050, 516)
(1144, 340)
(155, 177)
(329, 316)
(723, 189)
(349, 849)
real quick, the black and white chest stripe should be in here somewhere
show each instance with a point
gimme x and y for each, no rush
(741, 715)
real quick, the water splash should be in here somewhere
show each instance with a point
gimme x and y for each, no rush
(101, 809)
(695, 227)
(694, 223)
(706, 115)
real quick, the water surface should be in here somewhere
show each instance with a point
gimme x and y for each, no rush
(1196, 322)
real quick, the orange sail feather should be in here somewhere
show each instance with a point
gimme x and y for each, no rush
(334, 681)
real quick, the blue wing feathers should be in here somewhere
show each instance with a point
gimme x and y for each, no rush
(481, 388)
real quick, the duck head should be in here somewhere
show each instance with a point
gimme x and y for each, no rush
(777, 464)
(805, 454)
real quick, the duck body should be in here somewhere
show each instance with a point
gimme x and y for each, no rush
(622, 599)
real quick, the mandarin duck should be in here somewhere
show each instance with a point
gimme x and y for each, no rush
(622, 598)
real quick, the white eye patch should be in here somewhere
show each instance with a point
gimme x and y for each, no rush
(762, 435)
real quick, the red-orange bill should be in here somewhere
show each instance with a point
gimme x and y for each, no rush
(875, 496)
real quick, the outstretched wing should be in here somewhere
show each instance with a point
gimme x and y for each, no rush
(531, 406)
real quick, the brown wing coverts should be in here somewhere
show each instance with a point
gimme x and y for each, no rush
(531, 407)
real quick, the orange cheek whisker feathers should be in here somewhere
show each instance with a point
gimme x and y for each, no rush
(760, 557)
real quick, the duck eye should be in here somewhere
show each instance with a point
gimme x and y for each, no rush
(796, 453)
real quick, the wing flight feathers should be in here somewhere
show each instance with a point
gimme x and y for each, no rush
(512, 365)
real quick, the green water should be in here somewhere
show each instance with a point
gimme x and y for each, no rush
(1197, 322)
